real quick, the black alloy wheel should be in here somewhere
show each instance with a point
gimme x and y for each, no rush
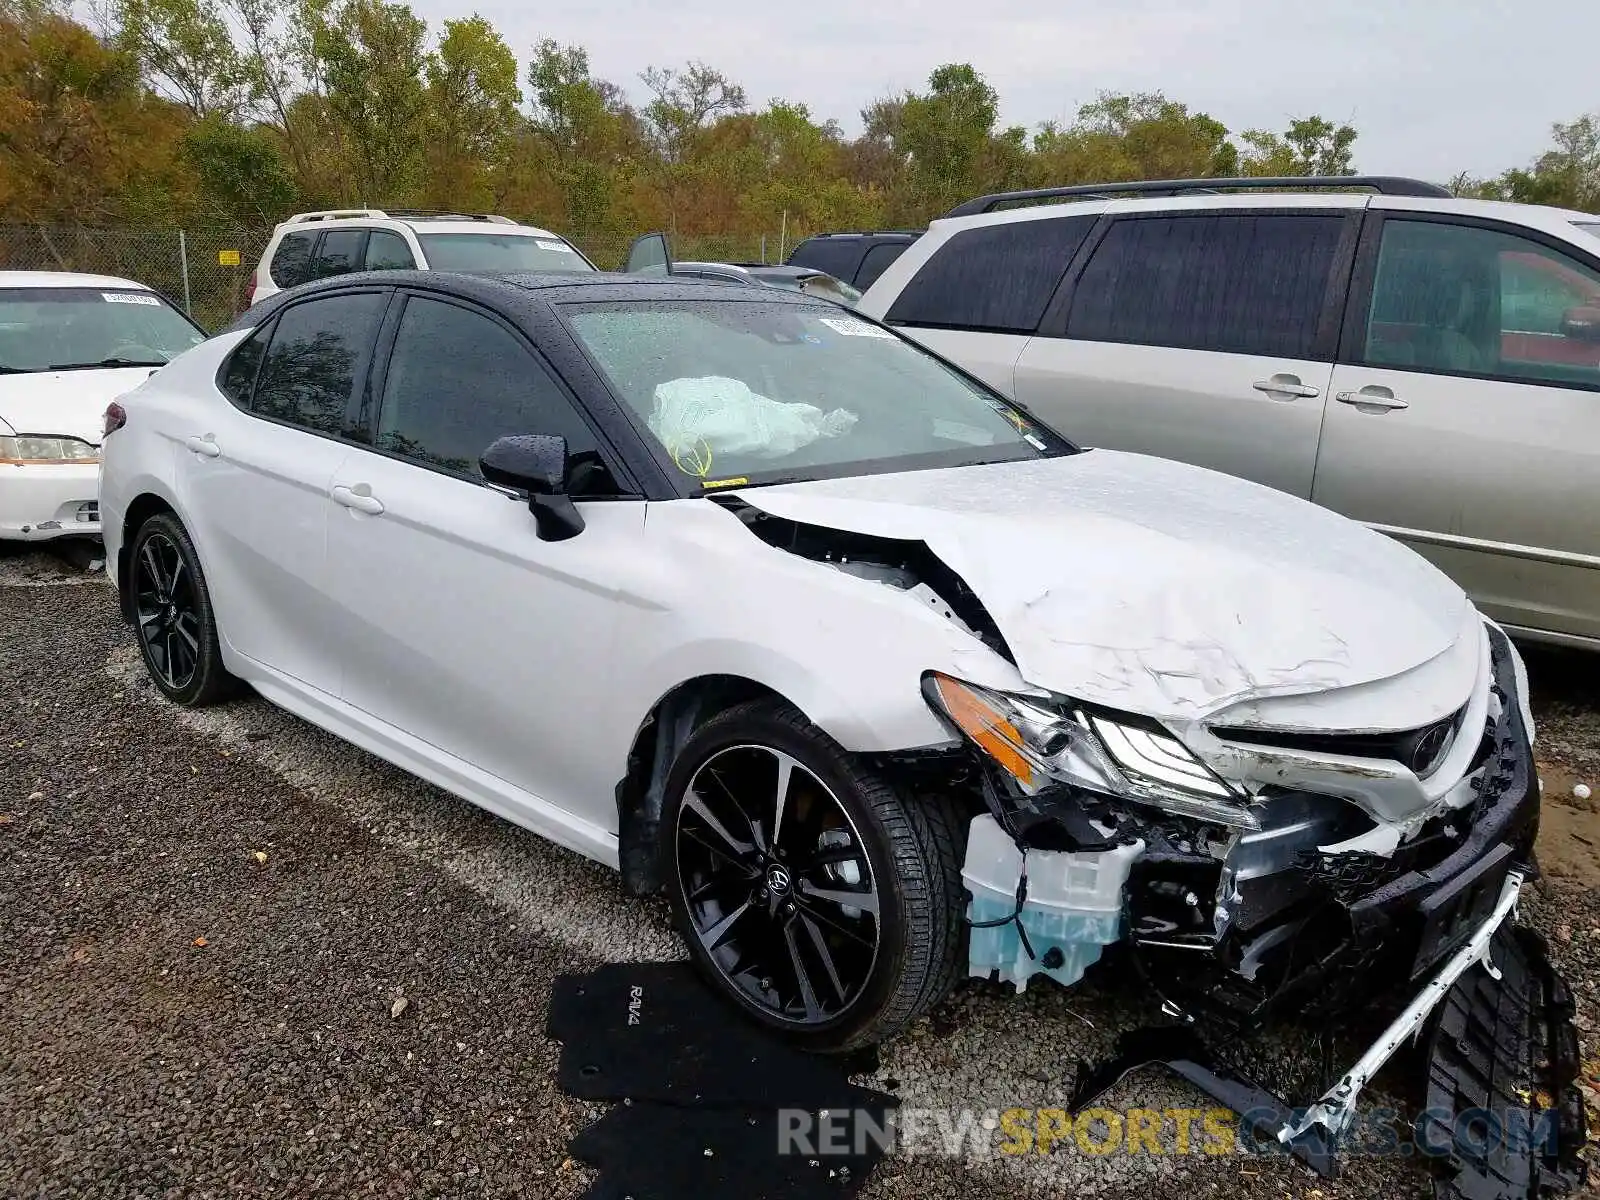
(173, 618)
(810, 892)
(779, 887)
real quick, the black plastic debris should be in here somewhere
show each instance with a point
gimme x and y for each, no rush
(1182, 1051)
(710, 1105)
(1503, 1119)
(1504, 1115)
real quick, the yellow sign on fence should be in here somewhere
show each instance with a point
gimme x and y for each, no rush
(227, 258)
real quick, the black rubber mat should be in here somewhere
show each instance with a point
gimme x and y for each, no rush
(711, 1107)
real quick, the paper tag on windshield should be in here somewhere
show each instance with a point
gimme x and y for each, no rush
(129, 298)
(552, 244)
(855, 328)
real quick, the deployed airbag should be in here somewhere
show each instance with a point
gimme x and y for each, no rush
(729, 418)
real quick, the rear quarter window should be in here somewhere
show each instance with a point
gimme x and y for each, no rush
(994, 278)
(291, 262)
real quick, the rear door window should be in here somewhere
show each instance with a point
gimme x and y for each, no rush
(1240, 283)
(291, 263)
(341, 252)
(318, 350)
(995, 278)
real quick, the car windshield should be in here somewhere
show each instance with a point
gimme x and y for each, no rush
(500, 252)
(60, 329)
(737, 392)
(1592, 228)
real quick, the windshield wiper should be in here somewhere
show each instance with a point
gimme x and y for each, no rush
(4, 370)
(108, 362)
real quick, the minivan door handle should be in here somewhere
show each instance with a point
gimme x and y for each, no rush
(1286, 387)
(1372, 398)
(359, 498)
(206, 446)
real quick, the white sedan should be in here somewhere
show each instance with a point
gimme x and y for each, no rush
(783, 616)
(69, 344)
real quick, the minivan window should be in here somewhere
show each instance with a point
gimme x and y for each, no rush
(997, 278)
(1463, 299)
(312, 362)
(291, 263)
(1233, 283)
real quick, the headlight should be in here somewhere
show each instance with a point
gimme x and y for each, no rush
(1115, 755)
(29, 451)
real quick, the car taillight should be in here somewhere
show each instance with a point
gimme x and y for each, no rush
(116, 418)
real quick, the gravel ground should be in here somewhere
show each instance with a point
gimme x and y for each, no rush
(212, 915)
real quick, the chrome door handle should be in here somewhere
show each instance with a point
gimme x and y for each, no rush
(1372, 396)
(359, 498)
(204, 446)
(1285, 386)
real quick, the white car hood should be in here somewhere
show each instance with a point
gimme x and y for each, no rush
(1156, 587)
(64, 403)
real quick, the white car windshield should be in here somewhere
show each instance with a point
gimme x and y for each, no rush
(744, 392)
(75, 328)
(500, 252)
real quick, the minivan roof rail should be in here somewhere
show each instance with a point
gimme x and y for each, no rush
(1384, 185)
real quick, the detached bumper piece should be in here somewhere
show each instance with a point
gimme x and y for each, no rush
(1504, 1114)
(1504, 1119)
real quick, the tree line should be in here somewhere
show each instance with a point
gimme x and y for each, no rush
(241, 111)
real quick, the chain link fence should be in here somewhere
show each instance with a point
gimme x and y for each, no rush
(206, 271)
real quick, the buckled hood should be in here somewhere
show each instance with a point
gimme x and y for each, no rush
(1155, 587)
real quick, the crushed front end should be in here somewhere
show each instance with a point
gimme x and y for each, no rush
(1259, 874)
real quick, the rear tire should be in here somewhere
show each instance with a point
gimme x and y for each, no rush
(173, 617)
(781, 926)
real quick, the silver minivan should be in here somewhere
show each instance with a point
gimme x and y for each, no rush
(1427, 365)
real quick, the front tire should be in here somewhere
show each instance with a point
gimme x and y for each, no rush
(809, 891)
(173, 618)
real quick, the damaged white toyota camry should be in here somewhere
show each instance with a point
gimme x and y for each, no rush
(878, 678)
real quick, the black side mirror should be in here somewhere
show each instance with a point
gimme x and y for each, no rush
(537, 464)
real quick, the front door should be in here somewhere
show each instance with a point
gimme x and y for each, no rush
(1466, 416)
(471, 634)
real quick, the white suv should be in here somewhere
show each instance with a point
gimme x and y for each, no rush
(315, 245)
(1457, 340)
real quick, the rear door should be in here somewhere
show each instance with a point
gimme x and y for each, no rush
(980, 295)
(1202, 336)
(255, 481)
(1466, 411)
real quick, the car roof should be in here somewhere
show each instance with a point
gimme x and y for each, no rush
(550, 286)
(66, 279)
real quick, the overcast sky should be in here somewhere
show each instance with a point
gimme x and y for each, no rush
(1434, 86)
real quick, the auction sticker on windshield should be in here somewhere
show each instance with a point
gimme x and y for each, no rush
(130, 298)
(852, 328)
